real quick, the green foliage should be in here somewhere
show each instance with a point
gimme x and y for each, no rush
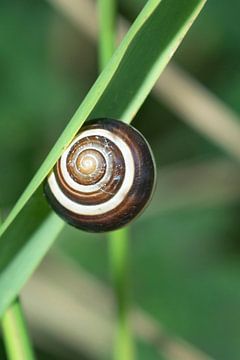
(107, 97)
(184, 262)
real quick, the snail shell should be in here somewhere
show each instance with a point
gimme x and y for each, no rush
(104, 178)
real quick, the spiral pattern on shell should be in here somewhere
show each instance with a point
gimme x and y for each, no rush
(104, 178)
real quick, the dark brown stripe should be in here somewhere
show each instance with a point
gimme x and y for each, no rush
(103, 194)
(138, 196)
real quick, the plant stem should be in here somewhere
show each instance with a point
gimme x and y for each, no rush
(107, 30)
(118, 249)
(15, 334)
(118, 240)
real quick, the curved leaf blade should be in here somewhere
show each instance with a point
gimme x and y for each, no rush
(119, 92)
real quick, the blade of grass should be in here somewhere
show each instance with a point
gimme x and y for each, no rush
(107, 31)
(118, 240)
(171, 20)
(216, 120)
(15, 334)
(18, 271)
(86, 108)
(119, 92)
(118, 251)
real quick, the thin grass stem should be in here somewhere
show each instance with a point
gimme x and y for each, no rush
(107, 30)
(118, 240)
(118, 251)
(15, 334)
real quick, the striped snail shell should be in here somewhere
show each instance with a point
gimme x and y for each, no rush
(104, 178)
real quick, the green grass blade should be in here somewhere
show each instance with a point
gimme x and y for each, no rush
(118, 240)
(19, 267)
(128, 78)
(118, 252)
(15, 334)
(85, 109)
(107, 31)
(118, 92)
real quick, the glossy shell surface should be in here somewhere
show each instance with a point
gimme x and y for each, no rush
(105, 177)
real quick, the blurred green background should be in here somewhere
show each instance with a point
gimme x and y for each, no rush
(184, 259)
